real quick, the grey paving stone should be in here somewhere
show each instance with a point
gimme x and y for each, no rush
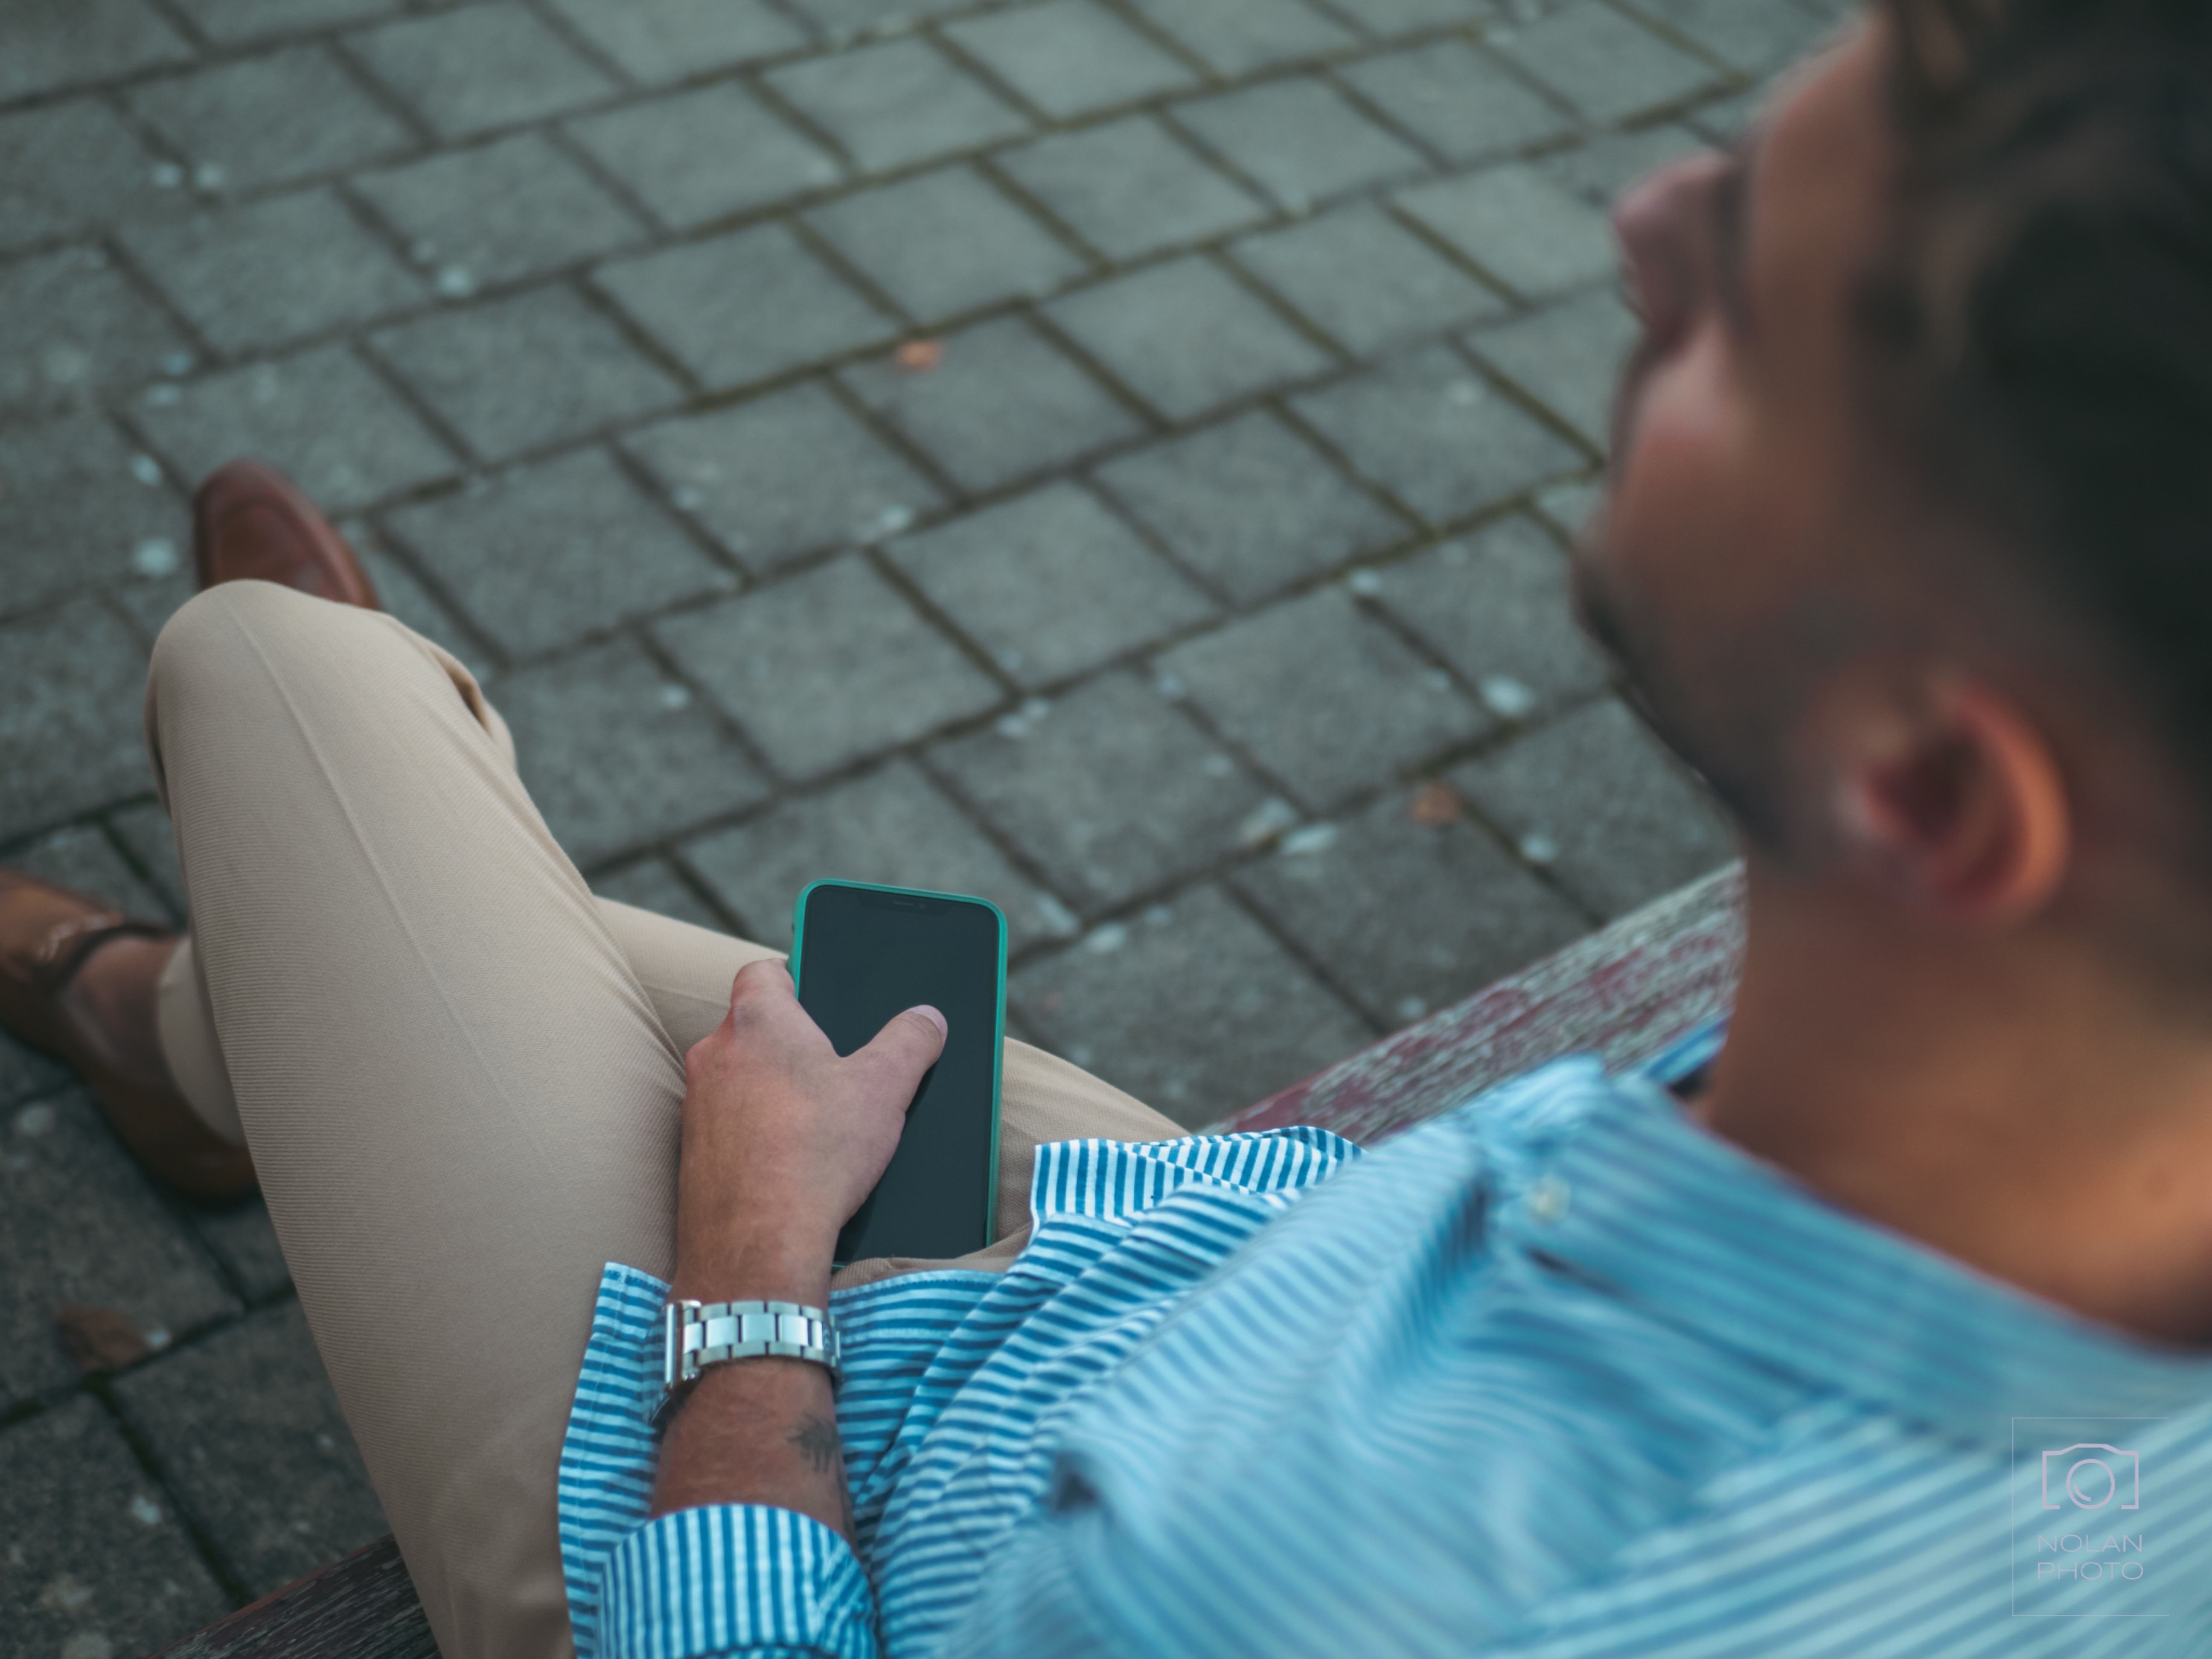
(1110, 790)
(334, 427)
(244, 1241)
(677, 154)
(897, 103)
(80, 1224)
(1387, 18)
(1497, 604)
(1069, 58)
(658, 41)
(69, 166)
(403, 595)
(1519, 226)
(1408, 916)
(71, 681)
(1364, 279)
(512, 374)
(150, 602)
(1235, 37)
(1194, 1009)
(827, 667)
(1128, 188)
(1324, 696)
(24, 1072)
(1607, 66)
(1726, 120)
(1004, 403)
(248, 1431)
(1427, 428)
(653, 884)
(255, 276)
(1249, 505)
(784, 475)
(1568, 358)
(269, 120)
(470, 69)
(893, 826)
(72, 326)
(1570, 506)
(616, 754)
(1601, 170)
(231, 21)
(82, 857)
(1186, 337)
(1050, 584)
(540, 557)
(145, 831)
(1755, 36)
(745, 307)
(47, 45)
(946, 242)
(1298, 140)
(1457, 99)
(96, 1563)
(842, 20)
(1594, 797)
(75, 513)
(510, 208)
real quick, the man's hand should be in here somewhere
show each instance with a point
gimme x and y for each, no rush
(782, 1140)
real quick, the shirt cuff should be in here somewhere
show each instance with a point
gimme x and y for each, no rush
(735, 1578)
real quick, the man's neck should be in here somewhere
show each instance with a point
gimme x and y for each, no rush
(2000, 1100)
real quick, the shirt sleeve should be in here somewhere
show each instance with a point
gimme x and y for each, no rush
(735, 1579)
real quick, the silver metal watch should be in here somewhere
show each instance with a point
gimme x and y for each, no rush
(697, 1334)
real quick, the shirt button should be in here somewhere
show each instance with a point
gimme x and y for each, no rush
(1548, 1197)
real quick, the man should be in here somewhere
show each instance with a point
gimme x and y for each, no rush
(1906, 550)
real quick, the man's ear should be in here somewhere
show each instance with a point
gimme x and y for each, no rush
(1956, 807)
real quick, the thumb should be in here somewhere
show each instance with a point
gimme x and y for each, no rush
(905, 1048)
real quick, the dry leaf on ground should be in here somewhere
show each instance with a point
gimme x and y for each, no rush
(1434, 804)
(100, 1339)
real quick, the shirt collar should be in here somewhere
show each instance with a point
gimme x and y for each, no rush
(1643, 1200)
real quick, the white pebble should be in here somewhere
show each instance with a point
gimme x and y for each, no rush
(35, 1119)
(673, 695)
(167, 175)
(163, 395)
(1314, 838)
(154, 556)
(1221, 766)
(1104, 941)
(146, 469)
(1539, 849)
(1507, 696)
(686, 499)
(1365, 583)
(177, 362)
(1056, 918)
(1464, 393)
(1169, 687)
(1411, 1008)
(209, 175)
(145, 1511)
(1158, 916)
(158, 1337)
(1266, 821)
(87, 1645)
(893, 520)
(1010, 660)
(455, 283)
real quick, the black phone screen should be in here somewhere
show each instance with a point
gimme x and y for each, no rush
(867, 954)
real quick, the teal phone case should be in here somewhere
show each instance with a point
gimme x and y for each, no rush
(997, 999)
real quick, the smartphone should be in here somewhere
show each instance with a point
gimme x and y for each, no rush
(862, 954)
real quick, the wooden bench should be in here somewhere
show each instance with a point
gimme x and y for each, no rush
(1627, 994)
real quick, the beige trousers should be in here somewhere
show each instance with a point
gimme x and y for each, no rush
(458, 1072)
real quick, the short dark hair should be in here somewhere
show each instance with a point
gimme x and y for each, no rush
(2041, 322)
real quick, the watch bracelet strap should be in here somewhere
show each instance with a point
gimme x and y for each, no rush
(696, 1334)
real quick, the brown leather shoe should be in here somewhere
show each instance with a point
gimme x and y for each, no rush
(47, 934)
(250, 522)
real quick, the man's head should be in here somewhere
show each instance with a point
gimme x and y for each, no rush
(1910, 544)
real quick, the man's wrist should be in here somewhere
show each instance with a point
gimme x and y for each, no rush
(770, 1264)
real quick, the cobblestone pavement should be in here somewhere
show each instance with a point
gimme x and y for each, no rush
(1202, 605)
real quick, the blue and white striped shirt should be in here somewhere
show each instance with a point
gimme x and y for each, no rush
(1559, 1374)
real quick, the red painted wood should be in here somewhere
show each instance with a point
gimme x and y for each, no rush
(1625, 994)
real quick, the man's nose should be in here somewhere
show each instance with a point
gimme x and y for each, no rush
(1664, 224)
